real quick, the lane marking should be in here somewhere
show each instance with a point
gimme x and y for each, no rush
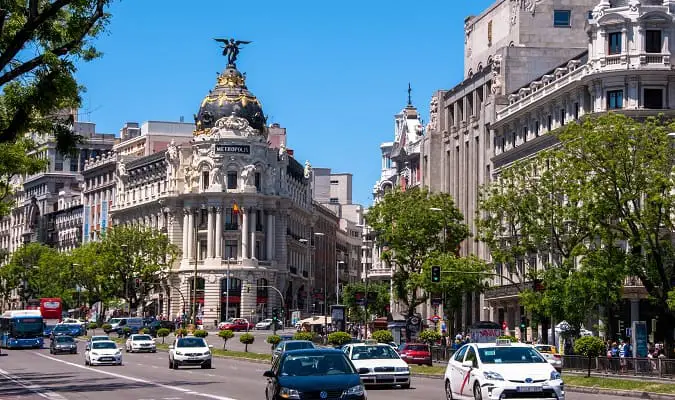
(138, 380)
(39, 390)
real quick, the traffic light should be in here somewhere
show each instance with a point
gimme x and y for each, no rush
(137, 282)
(435, 274)
(275, 314)
(523, 322)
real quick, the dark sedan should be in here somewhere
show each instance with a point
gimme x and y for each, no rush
(321, 374)
(64, 330)
(63, 344)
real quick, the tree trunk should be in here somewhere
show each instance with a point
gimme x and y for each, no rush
(589, 366)
(224, 344)
(246, 347)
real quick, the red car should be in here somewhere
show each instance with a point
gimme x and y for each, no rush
(416, 353)
(236, 324)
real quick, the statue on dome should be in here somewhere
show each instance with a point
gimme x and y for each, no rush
(308, 169)
(282, 152)
(231, 48)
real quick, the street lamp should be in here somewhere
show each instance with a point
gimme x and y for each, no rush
(337, 281)
(227, 289)
(325, 288)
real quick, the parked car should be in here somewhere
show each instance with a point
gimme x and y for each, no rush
(236, 324)
(153, 326)
(103, 352)
(190, 350)
(551, 355)
(314, 374)
(267, 324)
(416, 353)
(63, 344)
(140, 343)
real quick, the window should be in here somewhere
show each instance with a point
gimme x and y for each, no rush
(205, 180)
(73, 165)
(459, 356)
(653, 98)
(563, 114)
(536, 128)
(576, 111)
(614, 99)
(653, 41)
(202, 249)
(231, 180)
(336, 182)
(259, 220)
(614, 43)
(334, 200)
(550, 123)
(489, 33)
(524, 134)
(258, 250)
(562, 18)
(231, 220)
(231, 249)
(58, 162)
(257, 182)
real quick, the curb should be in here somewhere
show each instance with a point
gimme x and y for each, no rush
(621, 393)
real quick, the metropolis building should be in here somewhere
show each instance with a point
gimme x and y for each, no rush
(235, 206)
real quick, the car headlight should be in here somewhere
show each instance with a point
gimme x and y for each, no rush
(94, 354)
(118, 353)
(354, 391)
(207, 353)
(555, 375)
(178, 353)
(402, 369)
(287, 393)
(492, 376)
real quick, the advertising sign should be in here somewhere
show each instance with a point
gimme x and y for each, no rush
(86, 227)
(485, 335)
(639, 339)
(104, 216)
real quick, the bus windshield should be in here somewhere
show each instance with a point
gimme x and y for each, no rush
(24, 328)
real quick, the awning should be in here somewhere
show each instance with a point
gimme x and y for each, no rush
(315, 321)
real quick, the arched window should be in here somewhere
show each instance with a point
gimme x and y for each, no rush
(261, 288)
(235, 287)
(199, 292)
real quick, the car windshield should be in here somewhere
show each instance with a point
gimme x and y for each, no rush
(509, 355)
(416, 347)
(544, 349)
(191, 342)
(61, 328)
(105, 345)
(99, 338)
(299, 345)
(316, 364)
(114, 321)
(65, 339)
(375, 352)
(142, 337)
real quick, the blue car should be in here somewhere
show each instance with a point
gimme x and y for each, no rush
(48, 330)
(66, 330)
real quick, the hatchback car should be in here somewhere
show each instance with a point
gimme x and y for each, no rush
(416, 353)
(324, 374)
(103, 352)
(501, 370)
(63, 344)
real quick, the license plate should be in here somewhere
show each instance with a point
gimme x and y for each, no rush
(193, 358)
(383, 377)
(107, 359)
(529, 389)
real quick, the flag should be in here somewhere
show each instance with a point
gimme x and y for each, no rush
(235, 209)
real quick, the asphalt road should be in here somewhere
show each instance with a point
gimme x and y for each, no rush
(35, 374)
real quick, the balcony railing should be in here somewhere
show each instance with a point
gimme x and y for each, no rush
(231, 227)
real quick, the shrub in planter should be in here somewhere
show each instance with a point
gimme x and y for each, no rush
(201, 333)
(92, 326)
(106, 327)
(383, 336)
(589, 346)
(246, 339)
(303, 336)
(274, 340)
(163, 332)
(429, 336)
(181, 332)
(225, 335)
(339, 338)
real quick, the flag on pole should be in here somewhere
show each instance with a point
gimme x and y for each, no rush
(235, 208)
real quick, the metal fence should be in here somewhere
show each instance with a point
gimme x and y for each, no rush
(441, 354)
(653, 367)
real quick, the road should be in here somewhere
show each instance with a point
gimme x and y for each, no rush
(37, 375)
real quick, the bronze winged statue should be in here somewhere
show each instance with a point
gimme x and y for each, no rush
(231, 48)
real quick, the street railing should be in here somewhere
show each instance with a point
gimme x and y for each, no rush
(441, 354)
(633, 366)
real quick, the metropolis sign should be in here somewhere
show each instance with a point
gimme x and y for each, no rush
(232, 148)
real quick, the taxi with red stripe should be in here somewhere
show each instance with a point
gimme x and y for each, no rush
(501, 370)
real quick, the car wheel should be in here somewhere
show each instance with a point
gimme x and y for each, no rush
(175, 365)
(206, 365)
(405, 386)
(154, 351)
(477, 394)
(448, 390)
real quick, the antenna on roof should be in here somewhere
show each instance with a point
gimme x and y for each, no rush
(409, 97)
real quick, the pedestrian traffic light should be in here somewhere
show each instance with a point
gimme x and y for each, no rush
(435, 274)
(523, 322)
(137, 282)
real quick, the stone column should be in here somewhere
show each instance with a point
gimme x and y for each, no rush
(186, 233)
(219, 233)
(248, 297)
(269, 228)
(244, 234)
(209, 232)
(253, 224)
(190, 234)
(211, 303)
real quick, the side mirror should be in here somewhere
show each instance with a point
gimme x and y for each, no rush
(467, 364)
(363, 371)
(269, 374)
(210, 346)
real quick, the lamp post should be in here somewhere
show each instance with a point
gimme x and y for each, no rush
(194, 278)
(227, 289)
(337, 281)
(325, 288)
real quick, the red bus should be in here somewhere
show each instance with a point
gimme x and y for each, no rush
(51, 310)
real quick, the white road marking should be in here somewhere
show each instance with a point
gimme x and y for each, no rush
(39, 390)
(139, 380)
(172, 398)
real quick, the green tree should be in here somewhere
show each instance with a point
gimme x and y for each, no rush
(303, 336)
(130, 253)
(41, 43)
(163, 333)
(201, 333)
(339, 338)
(226, 335)
(589, 346)
(410, 231)
(429, 336)
(273, 340)
(92, 273)
(246, 339)
(383, 336)
(377, 307)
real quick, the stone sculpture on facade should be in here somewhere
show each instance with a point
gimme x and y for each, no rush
(282, 152)
(248, 176)
(173, 161)
(216, 176)
(308, 169)
(496, 75)
(189, 173)
(433, 114)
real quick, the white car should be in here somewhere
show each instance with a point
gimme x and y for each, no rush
(267, 324)
(378, 364)
(501, 370)
(190, 350)
(102, 352)
(140, 342)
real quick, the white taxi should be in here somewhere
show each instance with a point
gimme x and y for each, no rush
(140, 342)
(501, 370)
(378, 364)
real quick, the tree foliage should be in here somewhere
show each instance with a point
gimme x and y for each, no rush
(377, 307)
(339, 338)
(246, 339)
(383, 336)
(589, 346)
(411, 226)
(429, 336)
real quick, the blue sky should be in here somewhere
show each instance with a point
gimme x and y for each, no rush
(332, 73)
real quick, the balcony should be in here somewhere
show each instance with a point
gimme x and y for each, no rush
(231, 227)
(502, 292)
